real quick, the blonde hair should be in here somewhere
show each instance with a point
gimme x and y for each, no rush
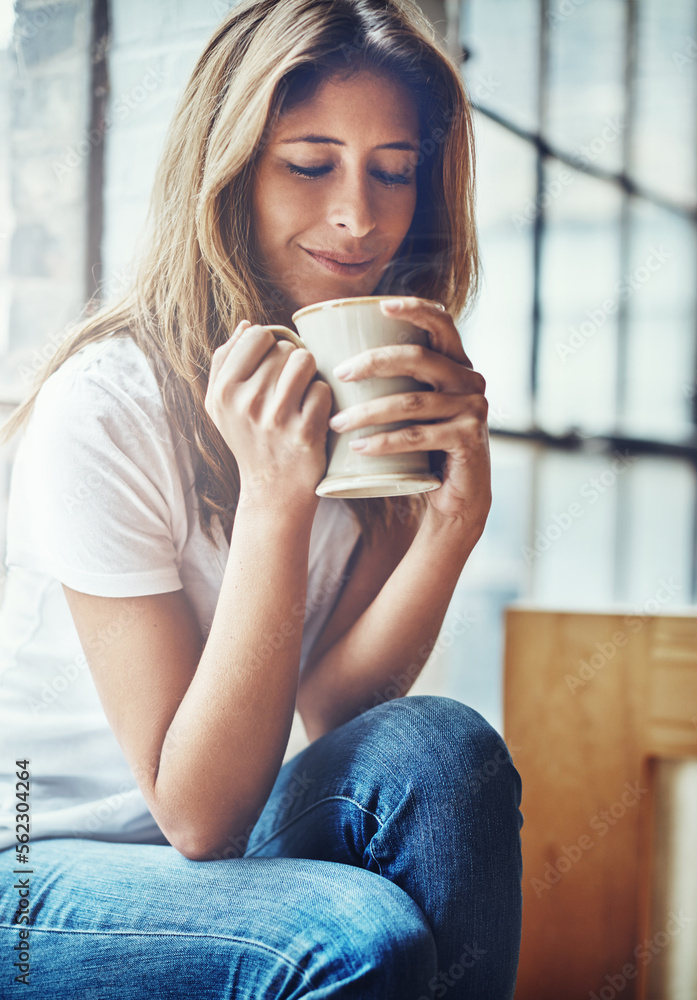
(198, 276)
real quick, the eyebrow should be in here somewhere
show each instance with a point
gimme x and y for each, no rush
(317, 139)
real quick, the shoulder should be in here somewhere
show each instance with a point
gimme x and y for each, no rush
(106, 389)
(96, 475)
(115, 366)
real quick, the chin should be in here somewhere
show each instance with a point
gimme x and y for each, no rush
(308, 292)
(346, 291)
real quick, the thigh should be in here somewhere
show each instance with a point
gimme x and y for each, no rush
(109, 920)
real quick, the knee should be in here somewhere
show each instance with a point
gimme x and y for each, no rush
(477, 746)
(453, 738)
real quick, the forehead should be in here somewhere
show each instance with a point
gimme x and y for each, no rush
(374, 103)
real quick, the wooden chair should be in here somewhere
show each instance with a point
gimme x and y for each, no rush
(591, 702)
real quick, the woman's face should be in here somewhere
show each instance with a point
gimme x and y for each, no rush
(335, 189)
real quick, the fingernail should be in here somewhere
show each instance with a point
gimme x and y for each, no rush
(359, 444)
(338, 421)
(394, 305)
(343, 370)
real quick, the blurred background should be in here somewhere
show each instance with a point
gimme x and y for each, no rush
(585, 327)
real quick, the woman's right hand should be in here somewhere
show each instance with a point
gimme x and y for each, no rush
(272, 415)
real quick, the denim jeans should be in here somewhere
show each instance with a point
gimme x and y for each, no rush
(385, 865)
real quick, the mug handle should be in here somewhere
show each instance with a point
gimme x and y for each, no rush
(283, 333)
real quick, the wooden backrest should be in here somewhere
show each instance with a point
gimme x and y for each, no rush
(591, 701)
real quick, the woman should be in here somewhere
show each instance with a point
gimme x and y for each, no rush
(175, 588)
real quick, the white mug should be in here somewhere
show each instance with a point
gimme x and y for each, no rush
(333, 331)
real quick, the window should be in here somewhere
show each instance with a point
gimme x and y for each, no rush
(585, 325)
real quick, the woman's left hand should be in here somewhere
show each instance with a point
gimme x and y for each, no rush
(450, 419)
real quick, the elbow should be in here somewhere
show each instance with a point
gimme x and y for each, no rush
(198, 843)
(199, 846)
(186, 844)
(189, 847)
(225, 835)
(194, 853)
(197, 850)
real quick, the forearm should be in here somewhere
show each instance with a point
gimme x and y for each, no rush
(225, 744)
(394, 635)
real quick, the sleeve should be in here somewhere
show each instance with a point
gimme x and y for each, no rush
(107, 501)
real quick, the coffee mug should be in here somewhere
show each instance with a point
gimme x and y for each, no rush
(332, 332)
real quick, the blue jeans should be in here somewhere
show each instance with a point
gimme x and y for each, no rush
(385, 865)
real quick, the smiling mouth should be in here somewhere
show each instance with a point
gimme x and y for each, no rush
(339, 266)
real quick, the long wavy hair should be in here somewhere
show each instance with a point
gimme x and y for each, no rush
(198, 275)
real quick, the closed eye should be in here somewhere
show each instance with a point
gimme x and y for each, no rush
(389, 180)
(311, 172)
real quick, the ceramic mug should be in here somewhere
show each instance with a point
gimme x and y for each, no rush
(333, 331)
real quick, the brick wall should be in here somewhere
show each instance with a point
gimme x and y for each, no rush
(44, 77)
(49, 93)
(152, 51)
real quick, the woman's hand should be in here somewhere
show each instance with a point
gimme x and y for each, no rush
(272, 413)
(451, 419)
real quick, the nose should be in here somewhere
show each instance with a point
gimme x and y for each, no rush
(351, 206)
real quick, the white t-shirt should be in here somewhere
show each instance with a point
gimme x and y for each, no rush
(102, 499)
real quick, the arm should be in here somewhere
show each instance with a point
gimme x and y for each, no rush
(204, 730)
(384, 626)
(225, 744)
(381, 649)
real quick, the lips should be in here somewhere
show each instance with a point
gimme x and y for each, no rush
(340, 262)
(340, 258)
